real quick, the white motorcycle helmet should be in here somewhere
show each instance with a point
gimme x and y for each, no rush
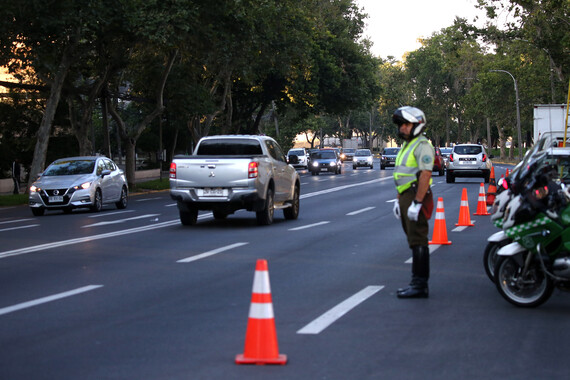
(510, 212)
(500, 204)
(412, 115)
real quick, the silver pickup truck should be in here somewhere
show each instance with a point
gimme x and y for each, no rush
(232, 172)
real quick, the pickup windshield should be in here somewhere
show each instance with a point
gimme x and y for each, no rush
(229, 147)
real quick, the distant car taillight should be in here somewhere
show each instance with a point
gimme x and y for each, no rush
(252, 170)
(450, 157)
(172, 170)
(484, 157)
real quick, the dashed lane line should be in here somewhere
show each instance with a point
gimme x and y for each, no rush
(212, 252)
(51, 298)
(331, 316)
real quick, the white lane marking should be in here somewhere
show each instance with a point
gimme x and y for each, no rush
(340, 188)
(110, 213)
(41, 247)
(331, 316)
(461, 228)
(360, 211)
(16, 221)
(63, 243)
(432, 247)
(54, 297)
(147, 199)
(171, 205)
(18, 228)
(392, 200)
(119, 220)
(211, 253)
(309, 226)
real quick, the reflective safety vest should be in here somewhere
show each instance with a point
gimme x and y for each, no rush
(406, 167)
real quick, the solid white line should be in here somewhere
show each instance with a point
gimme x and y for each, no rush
(211, 253)
(17, 221)
(120, 220)
(63, 243)
(147, 199)
(331, 316)
(340, 188)
(360, 211)
(309, 226)
(18, 228)
(55, 297)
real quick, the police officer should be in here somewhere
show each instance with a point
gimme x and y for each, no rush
(412, 174)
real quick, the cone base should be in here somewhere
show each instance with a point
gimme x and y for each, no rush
(480, 213)
(464, 224)
(280, 359)
(439, 242)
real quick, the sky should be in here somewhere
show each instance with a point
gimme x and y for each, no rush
(395, 25)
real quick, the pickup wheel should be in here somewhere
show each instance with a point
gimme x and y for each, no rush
(188, 218)
(265, 216)
(293, 211)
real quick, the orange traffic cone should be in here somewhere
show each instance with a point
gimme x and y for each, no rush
(481, 203)
(464, 216)
(492, 189)
(440, 230)
(261, 336)
(507, 173)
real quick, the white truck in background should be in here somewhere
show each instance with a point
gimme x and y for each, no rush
(549, 118)
(232, 172)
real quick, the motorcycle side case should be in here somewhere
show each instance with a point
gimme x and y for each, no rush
(497, 237)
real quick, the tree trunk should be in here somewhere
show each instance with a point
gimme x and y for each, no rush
(40, 150)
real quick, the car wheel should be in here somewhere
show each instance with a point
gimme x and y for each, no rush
(382, 167)
(487, 177)
(449, 178)
(123, 201)
(441, 172)
(97, 201)
(265, 216)
(292, 212)
(188, 218)
(371, 166)
(38, 211)
(353, 167)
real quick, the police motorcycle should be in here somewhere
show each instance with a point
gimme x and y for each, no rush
(507, 189)
(538, 222)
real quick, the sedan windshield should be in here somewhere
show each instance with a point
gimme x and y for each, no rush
(391, 152)
(70, 167)
(363, 152)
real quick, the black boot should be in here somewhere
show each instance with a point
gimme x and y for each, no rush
(420, 274)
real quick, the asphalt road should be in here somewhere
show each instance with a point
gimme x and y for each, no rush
(133, 294)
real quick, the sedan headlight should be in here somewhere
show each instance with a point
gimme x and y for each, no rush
(333, 163)
(35, 189)
(83, 186)
(315, 164)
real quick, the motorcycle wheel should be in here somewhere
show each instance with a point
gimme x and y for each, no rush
(530, 289)
(490, 257)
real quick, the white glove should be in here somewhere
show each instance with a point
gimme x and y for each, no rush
(414, 211)
(396, 209)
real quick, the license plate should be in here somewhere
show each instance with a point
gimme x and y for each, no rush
(56, 198)
(214, 192)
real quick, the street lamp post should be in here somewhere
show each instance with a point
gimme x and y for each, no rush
(518, 110)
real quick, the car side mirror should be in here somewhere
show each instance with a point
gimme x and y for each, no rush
(105, 172)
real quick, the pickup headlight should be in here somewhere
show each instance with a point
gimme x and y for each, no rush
(333, 163)
(315, 164)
